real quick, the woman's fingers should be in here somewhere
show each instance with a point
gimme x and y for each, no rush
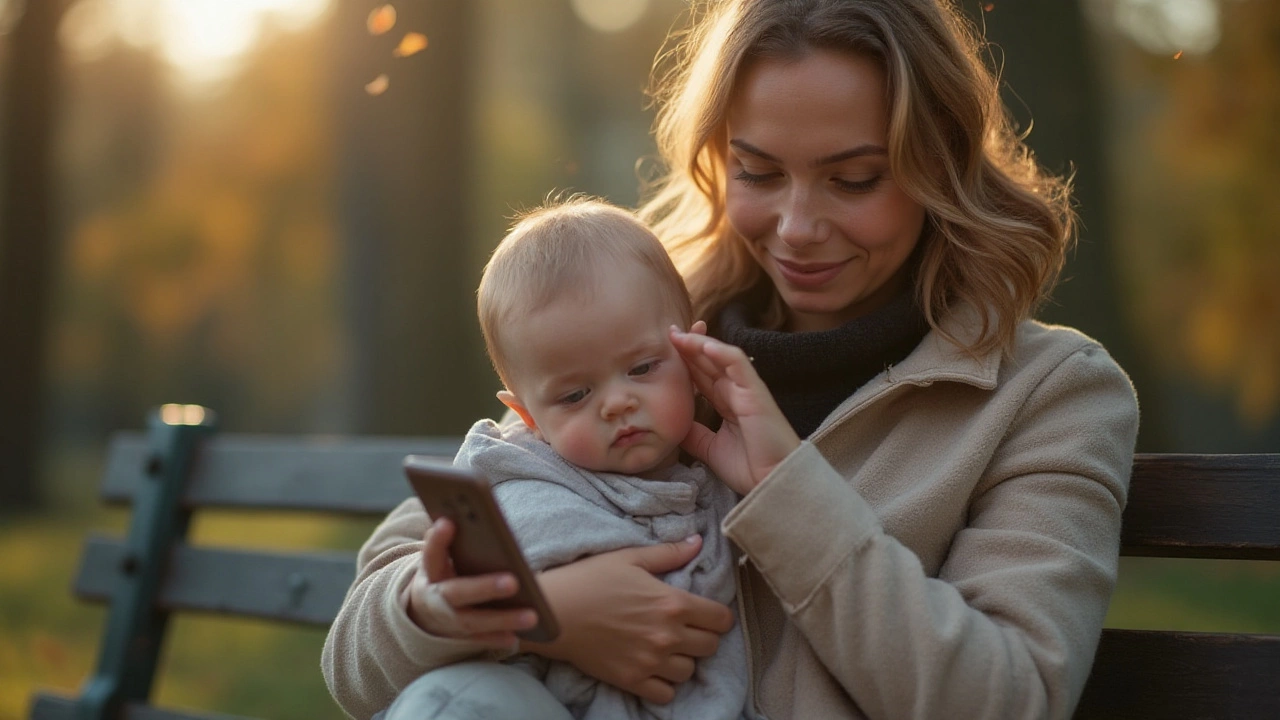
(707, 619)
(676, 669)
(698, 442)
(477, 623)
(700, 643)
(465, 592)
(715, 359)
(733, 362)
(435, 550)
(691, 348)
(654, 689)
(447, 608)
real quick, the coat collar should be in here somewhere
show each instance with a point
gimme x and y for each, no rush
(935, 359)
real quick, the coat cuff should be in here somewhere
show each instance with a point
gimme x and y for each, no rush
(800, 523)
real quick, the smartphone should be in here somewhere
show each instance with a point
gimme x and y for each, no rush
(483, 542)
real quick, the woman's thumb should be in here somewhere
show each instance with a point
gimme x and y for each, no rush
(664, 558)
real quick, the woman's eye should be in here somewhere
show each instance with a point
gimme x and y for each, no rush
(574, 397)
(857, 186)
(753, 179)
(643, 368)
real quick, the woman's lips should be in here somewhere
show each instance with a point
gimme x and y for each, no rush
(809, 275)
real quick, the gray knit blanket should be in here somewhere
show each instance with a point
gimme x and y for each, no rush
(560, 513)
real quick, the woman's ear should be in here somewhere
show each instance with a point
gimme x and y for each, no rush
(510, 400)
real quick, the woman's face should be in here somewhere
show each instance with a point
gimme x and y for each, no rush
(810, 188)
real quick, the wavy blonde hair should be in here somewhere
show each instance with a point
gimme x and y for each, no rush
(997, 227)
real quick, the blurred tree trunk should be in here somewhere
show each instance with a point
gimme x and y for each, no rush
(414, 362)
(1050, 77)
(26, 247)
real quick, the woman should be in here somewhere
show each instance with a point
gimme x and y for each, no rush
(850, 207)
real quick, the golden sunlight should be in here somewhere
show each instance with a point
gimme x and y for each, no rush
(609, 16)
(202, 39)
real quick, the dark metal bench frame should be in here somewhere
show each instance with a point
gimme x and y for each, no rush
(1182, 506)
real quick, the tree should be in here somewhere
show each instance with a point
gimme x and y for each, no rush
(26, 246)
(405, 155)
(1051, 86)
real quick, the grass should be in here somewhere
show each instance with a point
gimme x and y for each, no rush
(49, 640)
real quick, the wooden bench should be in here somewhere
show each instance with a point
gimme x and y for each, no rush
(1187, 506)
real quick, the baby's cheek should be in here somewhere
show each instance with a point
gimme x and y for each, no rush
(676, 413)
(578, 446)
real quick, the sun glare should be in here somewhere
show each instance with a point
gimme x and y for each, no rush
(609, 16)
(202, 39)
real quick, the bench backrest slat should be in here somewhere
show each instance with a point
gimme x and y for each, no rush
(305, 588)
(1164, 674)
(1207, 506)
(349, 475)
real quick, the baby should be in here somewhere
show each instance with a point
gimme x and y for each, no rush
(576, 305)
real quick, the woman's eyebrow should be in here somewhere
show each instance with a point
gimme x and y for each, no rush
(859, 151)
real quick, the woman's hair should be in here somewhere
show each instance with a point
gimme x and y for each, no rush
(569, 249)
(997, 228)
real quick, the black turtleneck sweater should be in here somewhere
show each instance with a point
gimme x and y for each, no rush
(810, 373)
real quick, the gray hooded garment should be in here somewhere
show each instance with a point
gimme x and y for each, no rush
(560, 512)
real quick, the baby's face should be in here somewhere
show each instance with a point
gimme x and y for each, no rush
(600, 378)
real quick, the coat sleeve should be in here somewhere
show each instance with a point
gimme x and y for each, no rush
(373, 649)
(1009, 627)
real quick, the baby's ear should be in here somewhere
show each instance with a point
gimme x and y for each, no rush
(510, 400)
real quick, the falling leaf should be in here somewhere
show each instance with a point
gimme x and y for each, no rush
(412, 44)
(378, 85)
(989, 7)
(1177, 55)
(381, 20)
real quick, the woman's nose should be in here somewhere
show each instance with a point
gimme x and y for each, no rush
(799, 221)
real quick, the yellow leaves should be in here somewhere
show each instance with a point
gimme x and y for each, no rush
(378, 85)
(381, 20)
(412, 44)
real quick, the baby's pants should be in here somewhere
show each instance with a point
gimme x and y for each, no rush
(475, 691)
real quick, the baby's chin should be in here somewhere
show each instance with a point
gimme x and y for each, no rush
(640, 468)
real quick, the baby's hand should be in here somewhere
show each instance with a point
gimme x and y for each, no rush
(754, 435)
(442, 603)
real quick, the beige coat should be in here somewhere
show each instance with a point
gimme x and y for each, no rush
(946, 546)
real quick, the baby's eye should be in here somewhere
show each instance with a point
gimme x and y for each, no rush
(643, 368)
(574, 397)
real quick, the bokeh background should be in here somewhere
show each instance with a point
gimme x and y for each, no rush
(280, 208)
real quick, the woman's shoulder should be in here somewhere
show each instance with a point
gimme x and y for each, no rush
(1038, 341)
(1042, 350)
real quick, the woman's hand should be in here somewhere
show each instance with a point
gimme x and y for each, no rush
(441, 603)
(622, 625)
(755, 436)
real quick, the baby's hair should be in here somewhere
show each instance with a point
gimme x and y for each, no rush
(568, 249)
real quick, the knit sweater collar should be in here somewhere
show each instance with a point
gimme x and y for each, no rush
(810, 373)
